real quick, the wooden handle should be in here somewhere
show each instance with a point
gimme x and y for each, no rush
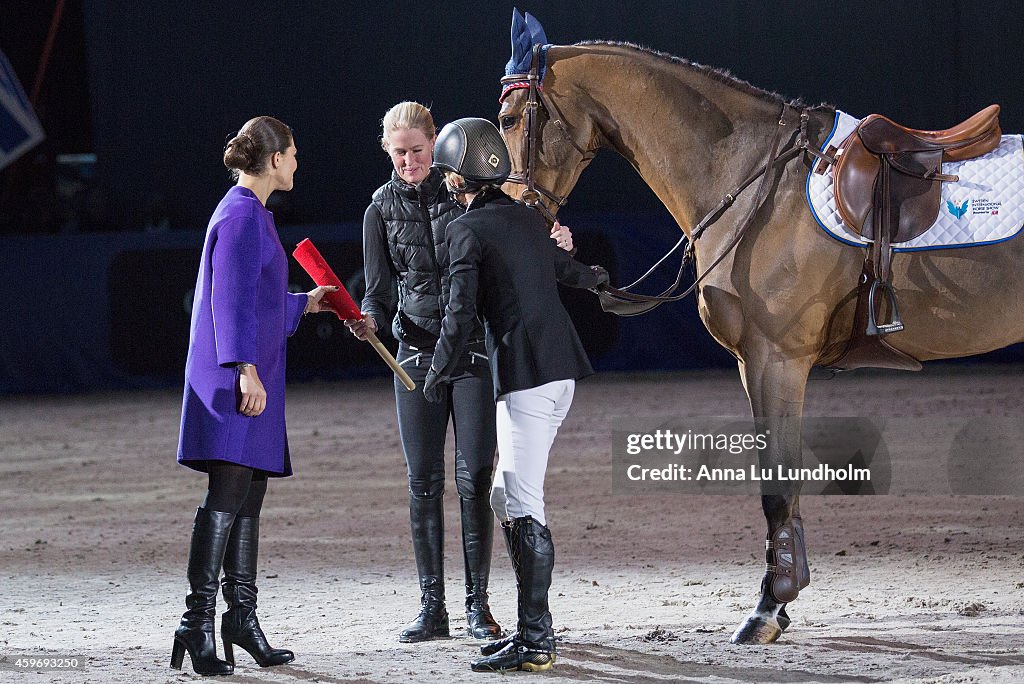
(390, 360)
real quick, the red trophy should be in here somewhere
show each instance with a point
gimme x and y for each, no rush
(312, 261)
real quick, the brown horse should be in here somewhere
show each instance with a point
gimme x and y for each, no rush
(783, 299)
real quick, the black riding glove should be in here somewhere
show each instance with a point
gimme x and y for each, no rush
(433, 386)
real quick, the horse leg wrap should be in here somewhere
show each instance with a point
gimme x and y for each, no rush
(786, 570)
(803, 571)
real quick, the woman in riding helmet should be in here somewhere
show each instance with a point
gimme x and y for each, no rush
(505, 271)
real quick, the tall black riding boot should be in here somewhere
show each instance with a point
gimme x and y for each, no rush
(427, 516)
(533, 558)
(239, 625)
(477, 540)
(195, 634)
(495, 646)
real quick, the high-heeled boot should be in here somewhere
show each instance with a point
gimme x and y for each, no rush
(239, 625)
(477, 539)
(533, 558)
(195, 634)
(427, 516)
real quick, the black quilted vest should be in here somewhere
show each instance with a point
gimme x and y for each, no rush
(416, 218)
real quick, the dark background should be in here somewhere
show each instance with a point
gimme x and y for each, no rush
(153, 89)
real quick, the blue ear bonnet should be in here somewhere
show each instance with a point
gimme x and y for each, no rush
(526, 32)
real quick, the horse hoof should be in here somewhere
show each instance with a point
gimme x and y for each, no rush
(759, 629)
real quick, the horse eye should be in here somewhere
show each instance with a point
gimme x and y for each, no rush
(508, 122)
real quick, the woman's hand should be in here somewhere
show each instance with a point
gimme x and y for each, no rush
(362, 328)
(562, 236)
(316, 295)
(254, 397)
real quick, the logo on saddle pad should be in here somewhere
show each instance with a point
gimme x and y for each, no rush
(957, 210)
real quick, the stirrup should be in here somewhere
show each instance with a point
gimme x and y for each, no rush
(894, 324)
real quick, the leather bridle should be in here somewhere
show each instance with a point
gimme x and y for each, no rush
(531, 196)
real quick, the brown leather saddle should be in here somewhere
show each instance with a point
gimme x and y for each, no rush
(917, 158)
(887, 187)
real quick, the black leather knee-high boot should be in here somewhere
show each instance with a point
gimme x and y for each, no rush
(477, 540)
(495, 646)
(533, 559)
(195, 634)
(239, 625)
(427, 516)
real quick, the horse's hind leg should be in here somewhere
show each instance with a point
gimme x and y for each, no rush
(775, 387)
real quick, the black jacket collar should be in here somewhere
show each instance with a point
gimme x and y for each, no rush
(428, 188)
(490, 195)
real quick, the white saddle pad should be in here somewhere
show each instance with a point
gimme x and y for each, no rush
(985, 206)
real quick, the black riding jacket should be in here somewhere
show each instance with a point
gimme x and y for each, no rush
(403, 239)
(505, 269)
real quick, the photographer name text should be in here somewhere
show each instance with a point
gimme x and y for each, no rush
(679, 473)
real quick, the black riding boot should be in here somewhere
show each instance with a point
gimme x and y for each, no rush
(477, 539)
(427, 516)
(495, 646)
(239, 625)
(533, 558)
(195, 634)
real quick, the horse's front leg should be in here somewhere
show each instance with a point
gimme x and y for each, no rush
(775, 386)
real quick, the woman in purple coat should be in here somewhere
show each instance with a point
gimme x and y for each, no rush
(232, 419)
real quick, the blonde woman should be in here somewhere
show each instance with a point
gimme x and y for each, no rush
(404, 241)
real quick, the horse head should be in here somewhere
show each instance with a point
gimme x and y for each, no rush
(550, 140)
(563, 143)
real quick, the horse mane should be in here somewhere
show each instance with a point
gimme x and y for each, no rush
(720, 75)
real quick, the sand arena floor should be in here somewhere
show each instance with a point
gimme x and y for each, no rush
(96, 518)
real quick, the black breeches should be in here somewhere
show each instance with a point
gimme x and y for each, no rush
(235, 489)
(469, 404)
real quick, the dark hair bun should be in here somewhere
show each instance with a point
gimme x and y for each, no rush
(241, 153)
(250, 149)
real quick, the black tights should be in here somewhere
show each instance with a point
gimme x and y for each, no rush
(235, 489)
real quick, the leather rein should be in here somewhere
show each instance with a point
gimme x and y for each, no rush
(621, 300)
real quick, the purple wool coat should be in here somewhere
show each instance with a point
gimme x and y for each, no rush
(242, 311)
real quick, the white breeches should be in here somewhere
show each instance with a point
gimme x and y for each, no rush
(527, 421)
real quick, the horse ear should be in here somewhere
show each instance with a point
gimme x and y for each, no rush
(537, 35)
(519, 63)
